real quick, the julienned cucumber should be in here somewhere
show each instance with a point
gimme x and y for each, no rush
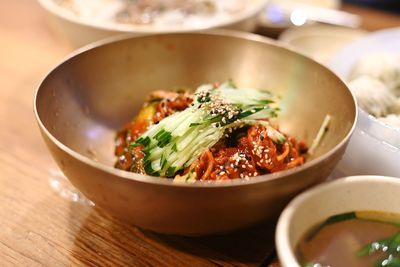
(178, 140)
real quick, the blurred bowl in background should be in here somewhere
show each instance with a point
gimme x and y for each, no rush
(80, 31)
(320, 42)
(375, 146)
(83, 102)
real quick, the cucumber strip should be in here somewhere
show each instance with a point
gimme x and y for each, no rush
(178, 140)
(321, 132)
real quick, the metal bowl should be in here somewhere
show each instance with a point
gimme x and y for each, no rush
(85, 99)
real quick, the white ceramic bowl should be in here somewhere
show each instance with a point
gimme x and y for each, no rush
(319, 203)
(374, 147)
(79, 32)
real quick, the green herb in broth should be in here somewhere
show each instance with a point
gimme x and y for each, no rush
(379, 245)
(390, 246)
(362, 238)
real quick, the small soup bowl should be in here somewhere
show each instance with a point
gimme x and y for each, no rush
(355, 193)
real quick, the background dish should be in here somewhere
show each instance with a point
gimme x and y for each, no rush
(320, 42)
(82, 102)
(79, 31)
(277, 15)
(374, 147)
(356, 193)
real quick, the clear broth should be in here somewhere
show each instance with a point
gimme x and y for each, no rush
(338, 243)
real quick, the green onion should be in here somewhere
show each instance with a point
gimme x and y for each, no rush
(390, 245)
(374, 247)
(390, 261)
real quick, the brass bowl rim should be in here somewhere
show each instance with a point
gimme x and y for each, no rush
(198, 184)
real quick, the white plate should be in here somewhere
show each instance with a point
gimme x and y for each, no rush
(374, 147)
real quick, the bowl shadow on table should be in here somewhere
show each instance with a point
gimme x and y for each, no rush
(103, 240)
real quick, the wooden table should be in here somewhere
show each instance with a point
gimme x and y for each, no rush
(38, 225)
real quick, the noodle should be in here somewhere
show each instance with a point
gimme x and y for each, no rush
(253, 155)
(246, 152)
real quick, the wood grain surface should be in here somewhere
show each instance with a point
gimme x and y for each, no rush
(42, 226)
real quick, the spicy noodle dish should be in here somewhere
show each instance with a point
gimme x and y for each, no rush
(218, 132)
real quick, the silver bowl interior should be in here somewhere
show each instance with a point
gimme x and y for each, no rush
(88, 97)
